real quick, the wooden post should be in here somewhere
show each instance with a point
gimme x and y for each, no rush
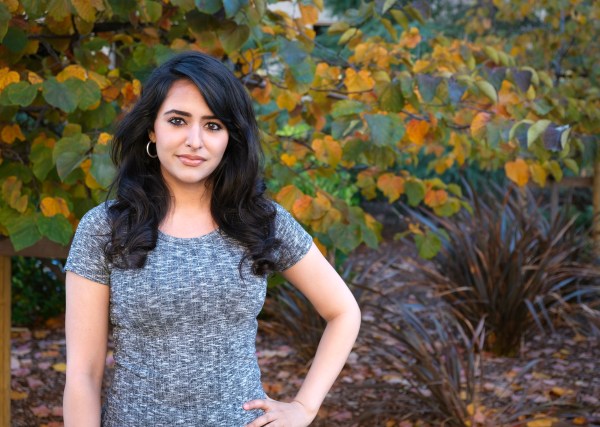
(5, 285)
(596, 210)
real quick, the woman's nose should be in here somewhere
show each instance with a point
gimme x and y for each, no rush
(194, 139)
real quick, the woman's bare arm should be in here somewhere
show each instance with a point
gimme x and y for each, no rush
(86, 329)
(325, 289)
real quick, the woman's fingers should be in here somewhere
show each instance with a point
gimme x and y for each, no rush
(257, 404)
(262, 420)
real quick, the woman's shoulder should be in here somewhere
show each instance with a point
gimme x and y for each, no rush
(97, 217)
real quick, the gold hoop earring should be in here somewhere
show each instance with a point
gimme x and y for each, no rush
(148, 150)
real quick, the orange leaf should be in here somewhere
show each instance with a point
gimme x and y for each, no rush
(59, 367)
(302, 208)
(104, 138)
(310, 14)
(417, 130)
(263, 95)
(7, 77)
(358, 82)
(478, 124)
(288, 160)
(517, 171)
(74, 71)
(392, 186)
(435, 198)
(287, 196)
(51, 206)
(410, 38)
(288, 100)
(34, 78)
(12, 132)
(328, 150)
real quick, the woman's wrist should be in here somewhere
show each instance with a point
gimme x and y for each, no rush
(312, 412)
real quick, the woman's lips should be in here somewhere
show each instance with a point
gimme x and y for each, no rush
(191, 160)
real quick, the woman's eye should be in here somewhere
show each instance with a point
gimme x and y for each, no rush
(214, 126)
(176, 121)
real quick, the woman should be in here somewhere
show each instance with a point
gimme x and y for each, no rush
(179, 262)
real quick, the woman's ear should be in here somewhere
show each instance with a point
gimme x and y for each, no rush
(152, 136)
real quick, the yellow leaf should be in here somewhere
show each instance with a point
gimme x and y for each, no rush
(391, 186)
(542, 422)
(366, 182)
(410, 38)
(580, 421)
(104, 138)
(478, 124)
(18, 395)
(85, 9)
(320, 246)
(34, 78)
(288, 100)
(7, 77)
(100, 80)
(51, 206)
(288, 160)
(12, 132)
(358, 82)
(416, 130)
(287, 196)
(59, 367)
(517, 171)
(328, 150)
(310, 14)
(72, 71)
(538, 174)
(435, 198)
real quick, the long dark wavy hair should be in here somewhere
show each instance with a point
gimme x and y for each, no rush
(238, 204)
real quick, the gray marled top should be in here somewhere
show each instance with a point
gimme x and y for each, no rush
(184, 326)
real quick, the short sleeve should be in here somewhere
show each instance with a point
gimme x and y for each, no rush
(86, 255)
(295, 241)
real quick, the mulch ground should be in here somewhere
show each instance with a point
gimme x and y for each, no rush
(559, 372)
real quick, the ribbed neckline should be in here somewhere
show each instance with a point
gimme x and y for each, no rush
(169, 238)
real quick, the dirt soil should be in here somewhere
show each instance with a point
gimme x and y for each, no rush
(566, 374)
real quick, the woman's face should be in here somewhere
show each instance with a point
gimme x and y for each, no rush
(190, 140)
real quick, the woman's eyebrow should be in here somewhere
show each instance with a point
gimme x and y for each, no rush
(181, 113)
(186, 114)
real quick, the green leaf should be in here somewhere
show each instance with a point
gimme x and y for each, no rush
(415, 191)
(347, 107)
(401, 19)
(184, 5)
(58, 95)
(69, 152)
(100, 117)
(22, 231)
(41, 157)
(5, 17)
(233, 6)
(87, 92)
(385, 129)
(555, 170)
(345, 237)
(34, 8)
(209, 7)
(387, 6)
(572, 165)
(427, 86)
(21, 93)
(233, 36)
(153, 10)
(292, 52)
(488, 90)
(455, 189)
(390, 96)
(428, 244)
(56, 228)
(59, 9)
(303, 75)
(536, 130)
(15, 39)
(103, 170)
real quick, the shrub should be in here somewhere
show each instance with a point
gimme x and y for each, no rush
(507, 263)
(38, 290)
(291, 316)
